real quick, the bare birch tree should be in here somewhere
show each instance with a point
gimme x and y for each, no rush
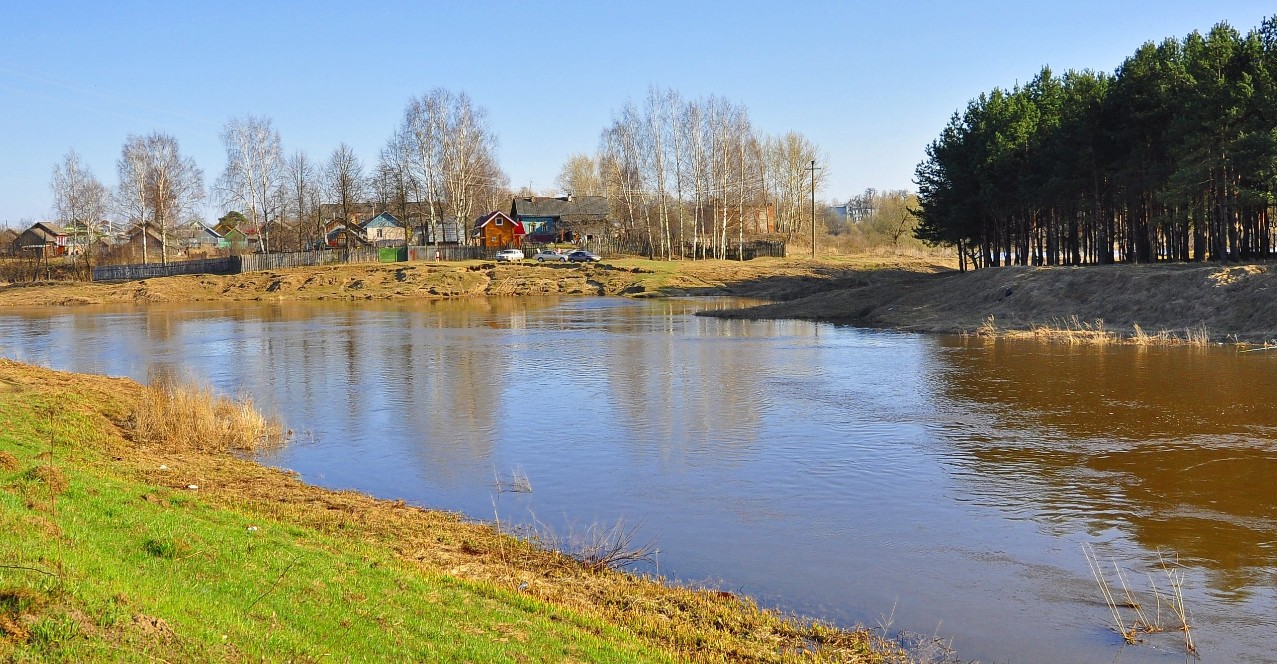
(344, 183)
(81, 202)
(301, 190)
(254, 171)
(158, 187)
(175, 185)
(789, 174)
(451, 154)
(130, 199)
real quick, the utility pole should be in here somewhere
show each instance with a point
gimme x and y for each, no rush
(812, 168)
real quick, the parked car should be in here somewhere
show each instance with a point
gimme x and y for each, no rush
(583, 256)
(551, 255)
(509, 255)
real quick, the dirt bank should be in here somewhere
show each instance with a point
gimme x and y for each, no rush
(771, 279)
(1231, 302)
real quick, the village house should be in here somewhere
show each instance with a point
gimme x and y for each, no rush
(7, 236)
(384, 230)
(562, 219)
(42, 239)
(341, 233)
(497, 230)
(141, 242)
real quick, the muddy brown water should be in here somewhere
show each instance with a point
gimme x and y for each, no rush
(939, 485)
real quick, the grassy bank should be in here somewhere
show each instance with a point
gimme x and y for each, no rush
(130, 538)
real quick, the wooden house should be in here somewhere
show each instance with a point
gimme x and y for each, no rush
(340, 233)
(7, 236)
(497, 230)
(562, 219)
(42, 239)
(384, 230)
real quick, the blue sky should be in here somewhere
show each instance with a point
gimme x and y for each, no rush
(870, 82)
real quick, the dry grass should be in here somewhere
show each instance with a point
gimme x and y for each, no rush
(8, 461)
(1128, 600)
(186, 416)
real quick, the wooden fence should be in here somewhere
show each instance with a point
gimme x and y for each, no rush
(228, 265)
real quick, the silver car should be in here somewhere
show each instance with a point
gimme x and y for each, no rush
(553, 255)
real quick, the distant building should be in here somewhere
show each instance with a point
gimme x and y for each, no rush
(562, 219)
(384, 230)
(43, 239)
(7, 236)
(855, 210)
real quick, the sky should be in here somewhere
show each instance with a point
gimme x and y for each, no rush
(870, 83)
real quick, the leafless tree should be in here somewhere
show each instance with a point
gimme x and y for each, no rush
(451, 153)
(344, 182)
(393, 182)
(254, 171)
(580, 177)
(301, 189)
(81, 202)
(130, 199)
(175, 186)
(158, 186)
(789, 176)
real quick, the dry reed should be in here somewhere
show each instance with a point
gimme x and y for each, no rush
(1141, 623)
(194, 417)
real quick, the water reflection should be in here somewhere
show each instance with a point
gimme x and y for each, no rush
(1174, 447)
(824, 470)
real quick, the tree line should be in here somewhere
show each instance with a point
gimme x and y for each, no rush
(684, 173)
(1173, 157)
(678, 172)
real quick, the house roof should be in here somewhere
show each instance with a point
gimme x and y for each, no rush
(383, 220)
(8, 235)
(567, 207)
(45, 230)
(352, 232)
(495, 215)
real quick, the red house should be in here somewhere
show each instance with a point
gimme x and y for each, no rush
(497, 230)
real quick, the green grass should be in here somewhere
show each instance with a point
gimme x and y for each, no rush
(111, 569)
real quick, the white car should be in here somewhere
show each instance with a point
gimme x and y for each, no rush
(551, 255)
(509, 255)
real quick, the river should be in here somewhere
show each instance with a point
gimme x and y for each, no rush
(939, 485)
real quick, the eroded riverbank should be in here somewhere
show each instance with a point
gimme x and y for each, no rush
(1151, 303)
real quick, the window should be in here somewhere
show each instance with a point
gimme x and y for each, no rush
(498, 221)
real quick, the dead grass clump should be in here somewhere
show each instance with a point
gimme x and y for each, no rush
(1141, 338)
(8, 461)
(1197, 336)
(185, 416)
(1168, 603)
(51, 477)
(1074, 331)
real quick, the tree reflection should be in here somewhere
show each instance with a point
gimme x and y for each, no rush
(1173, 446)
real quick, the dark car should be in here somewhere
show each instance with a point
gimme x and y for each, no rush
(582, 256)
